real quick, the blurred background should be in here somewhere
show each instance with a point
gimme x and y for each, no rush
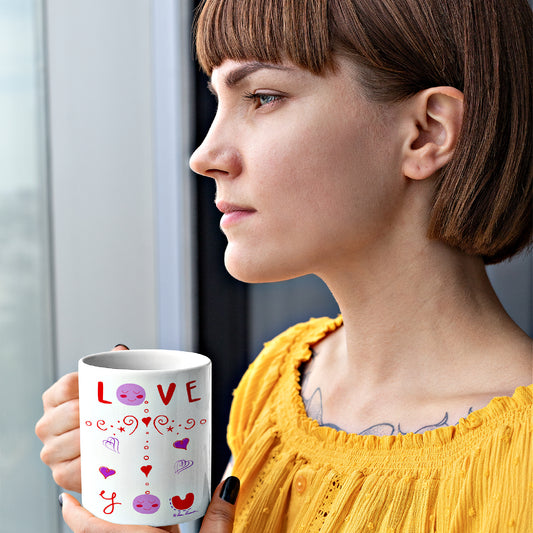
(105, 235)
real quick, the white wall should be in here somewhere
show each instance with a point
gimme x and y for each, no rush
(102, 171)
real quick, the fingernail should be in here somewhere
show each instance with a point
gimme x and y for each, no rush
(230, 490)
(123, 345)
(60, 500)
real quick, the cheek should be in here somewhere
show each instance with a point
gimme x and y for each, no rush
(315, 172)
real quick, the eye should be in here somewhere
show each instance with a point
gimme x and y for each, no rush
(262, 99)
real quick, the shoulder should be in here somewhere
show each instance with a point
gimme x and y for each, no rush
(506, 429)
(286, 350)
(292, 345)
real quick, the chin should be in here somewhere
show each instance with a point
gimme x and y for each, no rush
(256, 269)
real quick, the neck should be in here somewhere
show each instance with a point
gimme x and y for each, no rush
(421, 320)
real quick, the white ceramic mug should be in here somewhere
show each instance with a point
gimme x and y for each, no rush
(145, 430)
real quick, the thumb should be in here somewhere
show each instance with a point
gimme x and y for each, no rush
(221, 511)
(120, 348)
(79, 519)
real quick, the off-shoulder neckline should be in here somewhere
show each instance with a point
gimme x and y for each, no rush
(316, 330)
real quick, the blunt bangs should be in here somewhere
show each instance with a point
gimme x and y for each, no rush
(263, 30)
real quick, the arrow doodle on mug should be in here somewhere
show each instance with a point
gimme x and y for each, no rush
(182, 465)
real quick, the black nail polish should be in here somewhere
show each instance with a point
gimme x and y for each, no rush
(120, 344)
(230, 490)
(60, 500)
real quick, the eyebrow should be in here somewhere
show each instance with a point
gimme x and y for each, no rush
(235, 76)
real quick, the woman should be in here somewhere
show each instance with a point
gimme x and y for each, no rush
(384, 146)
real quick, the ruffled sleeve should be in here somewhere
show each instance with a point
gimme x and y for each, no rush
(250, 396)
(255, 388)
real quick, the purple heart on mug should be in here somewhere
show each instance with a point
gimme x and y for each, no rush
(181, 444)
(106, 472)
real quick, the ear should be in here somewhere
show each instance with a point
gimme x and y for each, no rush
(434, 118)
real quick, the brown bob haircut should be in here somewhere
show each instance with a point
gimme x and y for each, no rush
(483, 197)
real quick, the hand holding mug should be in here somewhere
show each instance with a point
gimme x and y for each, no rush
(218, 518)
(59, 432)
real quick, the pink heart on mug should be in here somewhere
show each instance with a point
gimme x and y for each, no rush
(106, 472)
(181, 444)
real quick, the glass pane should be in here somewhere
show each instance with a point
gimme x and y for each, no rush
(27, 495)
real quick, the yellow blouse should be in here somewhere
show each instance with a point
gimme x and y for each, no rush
(297, 476)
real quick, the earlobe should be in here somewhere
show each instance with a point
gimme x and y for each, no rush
(435, 118)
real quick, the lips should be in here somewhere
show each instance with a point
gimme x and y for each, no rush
(227, 207)
(233, 213)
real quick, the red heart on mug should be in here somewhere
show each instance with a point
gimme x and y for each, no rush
(146, 469)
(180, 504)
(147, 420)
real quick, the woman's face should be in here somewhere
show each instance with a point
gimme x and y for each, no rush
(307, 170)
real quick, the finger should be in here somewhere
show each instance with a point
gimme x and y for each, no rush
(81, 520)
(68, 474)
(120, 347)
(59, 420)
(62, 391)
(221, 511)
(65, 447)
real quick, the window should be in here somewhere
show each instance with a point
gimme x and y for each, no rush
(26, 324)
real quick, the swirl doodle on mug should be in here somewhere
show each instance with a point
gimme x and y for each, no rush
(161, 420)
(130, 420)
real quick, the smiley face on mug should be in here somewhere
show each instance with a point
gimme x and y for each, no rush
(131, 394)
(146, 504)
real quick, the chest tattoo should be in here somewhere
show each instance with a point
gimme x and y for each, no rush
(314, 410)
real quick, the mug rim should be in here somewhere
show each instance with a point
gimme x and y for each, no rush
(131, 361)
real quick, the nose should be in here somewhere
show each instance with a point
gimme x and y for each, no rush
(217, 156)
